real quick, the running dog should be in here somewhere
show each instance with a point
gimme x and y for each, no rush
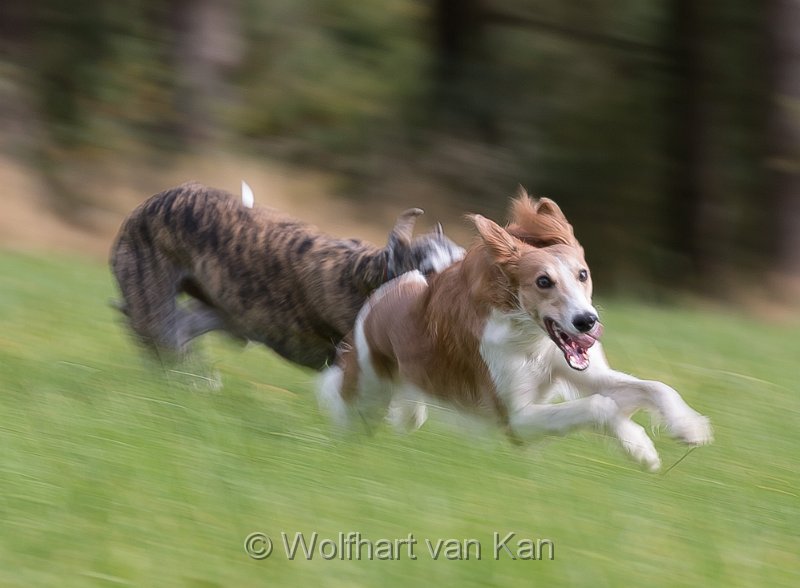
(255, 273)
(501, 334)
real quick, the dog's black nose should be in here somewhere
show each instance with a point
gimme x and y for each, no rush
(584, 321)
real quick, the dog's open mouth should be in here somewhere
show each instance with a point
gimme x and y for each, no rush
(574, 347)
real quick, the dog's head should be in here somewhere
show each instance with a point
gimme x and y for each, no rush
(429, 253)
(547, 276)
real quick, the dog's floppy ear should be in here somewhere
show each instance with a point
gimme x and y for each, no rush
(502, 246)
(404, 227)
(547, 207)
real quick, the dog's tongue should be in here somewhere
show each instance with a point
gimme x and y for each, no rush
(575, 349)
(586, 340)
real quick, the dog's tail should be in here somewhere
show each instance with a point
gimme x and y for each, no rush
(248, 199)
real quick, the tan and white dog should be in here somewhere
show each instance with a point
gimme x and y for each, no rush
(502, 334)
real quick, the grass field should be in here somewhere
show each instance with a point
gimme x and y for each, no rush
(112, 473)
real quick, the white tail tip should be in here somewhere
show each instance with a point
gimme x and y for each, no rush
(247, 195)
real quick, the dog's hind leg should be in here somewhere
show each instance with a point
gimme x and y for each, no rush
(148, 281)
(350, 391)
(353, 404)
(194, 319)
(330, 396)
(408, 411)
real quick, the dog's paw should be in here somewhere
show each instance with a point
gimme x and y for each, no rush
(407, 415)
(693, 430)
(638, 445)
(651, 463)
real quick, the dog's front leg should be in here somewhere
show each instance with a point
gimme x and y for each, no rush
(632, 394)
(537, 420)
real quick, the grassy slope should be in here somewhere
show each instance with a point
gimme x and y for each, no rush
(110, 474)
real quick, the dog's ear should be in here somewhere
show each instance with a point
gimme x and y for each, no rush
(438, 230)
(404, 227)
(547, 207)
(502, 246)
(400, 258)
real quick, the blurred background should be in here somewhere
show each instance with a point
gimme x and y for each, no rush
(668, 130)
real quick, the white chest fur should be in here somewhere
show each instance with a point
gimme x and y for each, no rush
(519, 356)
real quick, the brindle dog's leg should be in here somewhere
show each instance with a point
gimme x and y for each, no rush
(194, 319)
(148, 281)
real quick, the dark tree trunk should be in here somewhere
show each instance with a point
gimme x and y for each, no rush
(207, 40)
(462, 94)
(783, 24)
(697, 224)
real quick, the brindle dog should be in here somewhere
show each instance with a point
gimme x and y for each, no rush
(255, 273)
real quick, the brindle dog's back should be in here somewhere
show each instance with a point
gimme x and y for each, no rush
(255, 273)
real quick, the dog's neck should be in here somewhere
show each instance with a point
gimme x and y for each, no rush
(451, 317)
(460, 300)
(371, 269)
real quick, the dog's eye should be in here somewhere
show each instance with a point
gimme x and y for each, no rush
(583, 275)
(544, 282)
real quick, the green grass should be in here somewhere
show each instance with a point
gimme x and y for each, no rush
(113, 474)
